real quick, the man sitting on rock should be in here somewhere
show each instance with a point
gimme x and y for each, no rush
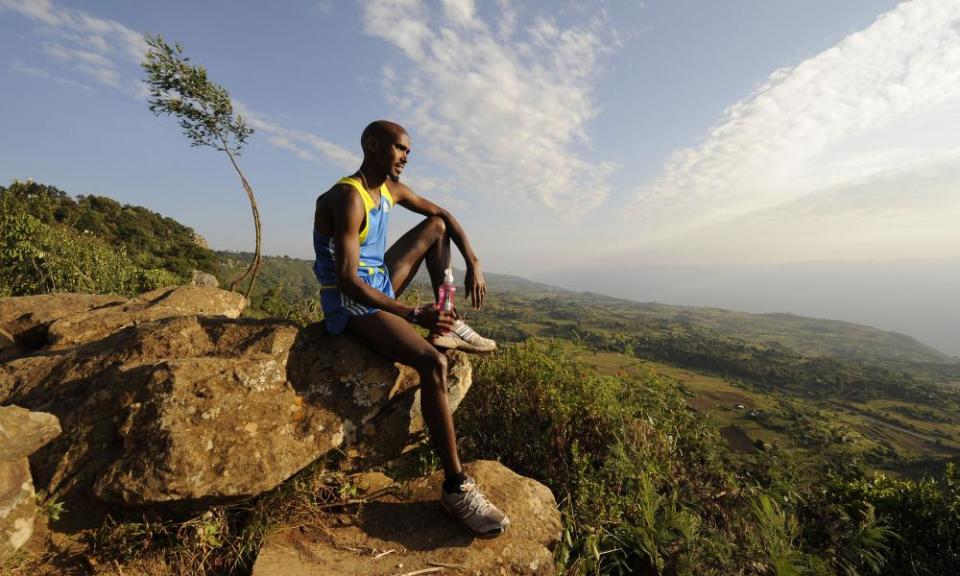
(360, 280)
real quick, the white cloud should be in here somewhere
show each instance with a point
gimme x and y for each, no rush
(303, 144)
(94, 47)
(94, 65)
(41, 73)
(110, 53)
(503, 107)
(41, 10)
(908, 211)
(459, 11)
(883, 99)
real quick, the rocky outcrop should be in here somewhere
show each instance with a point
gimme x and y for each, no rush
(379, 400)
(21, 433)
(204, 279)
(161, 303)
(25, 319)
(195, 409)
(200, 241)
(170, 403)
(410, 522)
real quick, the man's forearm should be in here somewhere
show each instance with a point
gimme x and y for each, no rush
(459, 238)
(370, 296)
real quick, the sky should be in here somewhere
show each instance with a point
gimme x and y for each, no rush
(560, 134)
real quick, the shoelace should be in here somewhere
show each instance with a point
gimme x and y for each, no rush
(475, 500)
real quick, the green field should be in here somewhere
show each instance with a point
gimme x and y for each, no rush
(891, 436)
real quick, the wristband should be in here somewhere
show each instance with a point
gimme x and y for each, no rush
(414, 315)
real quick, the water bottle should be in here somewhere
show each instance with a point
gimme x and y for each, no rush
(447, 291)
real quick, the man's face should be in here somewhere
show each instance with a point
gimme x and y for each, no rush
(395, 155)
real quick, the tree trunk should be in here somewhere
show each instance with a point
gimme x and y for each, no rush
(255, 265)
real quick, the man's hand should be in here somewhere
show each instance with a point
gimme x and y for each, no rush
(436, 320)
(476, 286)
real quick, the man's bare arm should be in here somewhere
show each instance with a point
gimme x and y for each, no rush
(475, 283)
(349, 215)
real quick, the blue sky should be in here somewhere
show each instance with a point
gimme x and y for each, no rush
(681, 132)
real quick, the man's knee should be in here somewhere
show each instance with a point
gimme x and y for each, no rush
(433, 366)
(437, 226)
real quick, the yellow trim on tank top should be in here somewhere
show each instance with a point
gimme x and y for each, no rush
(367, 201)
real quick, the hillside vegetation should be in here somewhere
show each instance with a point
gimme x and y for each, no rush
(51, 243)
(148, 240)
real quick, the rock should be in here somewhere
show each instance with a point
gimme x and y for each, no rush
(17, 506)
(26, 318)
(412, 523)
(200, 241)
(21, 433)
(8, 345)
(204, 279)
(162, 303)
(6, 339)
(378, 401)
(193, 409)
(386, 436)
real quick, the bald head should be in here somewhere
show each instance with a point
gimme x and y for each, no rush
(381, 131)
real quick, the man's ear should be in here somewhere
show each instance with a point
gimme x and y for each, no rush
(371, 143)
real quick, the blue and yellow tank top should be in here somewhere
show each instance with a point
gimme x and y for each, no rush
(373, 238)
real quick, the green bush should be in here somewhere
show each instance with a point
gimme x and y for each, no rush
(640, 478)
(925, 515)
(150, 240)
(38, 258)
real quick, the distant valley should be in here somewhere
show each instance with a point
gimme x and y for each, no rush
(920, 298)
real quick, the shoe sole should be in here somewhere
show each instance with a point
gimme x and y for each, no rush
(491, 534)
(460, 344)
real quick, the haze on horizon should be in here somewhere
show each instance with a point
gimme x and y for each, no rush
(571, 141)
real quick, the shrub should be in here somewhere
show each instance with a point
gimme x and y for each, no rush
(640, 478)
(925, 515)
(38, 258)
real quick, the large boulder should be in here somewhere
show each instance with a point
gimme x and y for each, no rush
(379, 401)
(25, 319)
(161, 303)
(21, 433)
(410, 522)
(194, 409)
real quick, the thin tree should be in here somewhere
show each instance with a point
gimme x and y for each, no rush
(181, 89)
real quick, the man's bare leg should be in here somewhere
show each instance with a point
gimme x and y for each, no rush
(395, 338)
(428, 241)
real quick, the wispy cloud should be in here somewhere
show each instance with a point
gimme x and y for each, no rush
(908, 211)
(882, 100)
(82, 44)
(503, 106)
(93, 64)
(305, 145)
(109, 53)
(41, 73)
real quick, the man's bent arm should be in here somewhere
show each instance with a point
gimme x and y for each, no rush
(349, 216)
(476, 285)
(411, 201)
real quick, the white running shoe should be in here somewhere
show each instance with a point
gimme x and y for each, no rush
(473, 510)
(465, 338)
